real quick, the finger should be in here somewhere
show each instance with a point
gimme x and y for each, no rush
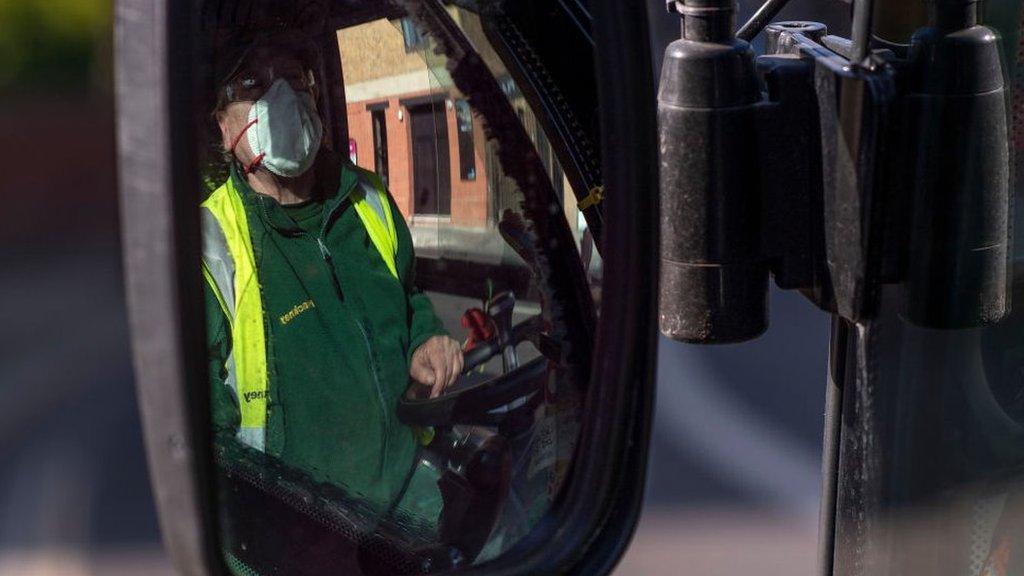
(437, 388)
(439, 375)
(456, 366)
(448, 364)
(450, 374)
(454, 362)
(460, 358)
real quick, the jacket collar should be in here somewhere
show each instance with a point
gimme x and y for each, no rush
(273, 214)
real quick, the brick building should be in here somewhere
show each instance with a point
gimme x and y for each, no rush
(410, 124)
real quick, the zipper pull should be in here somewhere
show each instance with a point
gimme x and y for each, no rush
(323, 249)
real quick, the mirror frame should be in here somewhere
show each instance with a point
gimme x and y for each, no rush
(590, 525)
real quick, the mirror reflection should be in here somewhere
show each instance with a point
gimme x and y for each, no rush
(389, 350)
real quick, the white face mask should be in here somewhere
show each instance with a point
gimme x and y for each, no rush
(285, 131)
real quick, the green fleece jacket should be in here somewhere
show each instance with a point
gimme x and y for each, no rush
(340, 332)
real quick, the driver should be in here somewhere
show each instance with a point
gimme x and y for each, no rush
(314, 326)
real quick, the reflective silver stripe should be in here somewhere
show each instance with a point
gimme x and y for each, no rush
(221, 266)
(231, 380)
(373, 196)
(253, 437)
(218, 260)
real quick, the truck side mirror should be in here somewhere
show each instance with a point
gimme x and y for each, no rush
(319, 199)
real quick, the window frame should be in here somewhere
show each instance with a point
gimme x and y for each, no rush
(413, 38)
(466, 140)
(380, 145)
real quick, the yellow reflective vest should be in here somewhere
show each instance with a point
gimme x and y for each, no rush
(229, 267)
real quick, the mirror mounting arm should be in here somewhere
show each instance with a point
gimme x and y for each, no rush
(832, 177)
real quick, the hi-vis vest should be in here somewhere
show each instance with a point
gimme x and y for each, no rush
(229, 266)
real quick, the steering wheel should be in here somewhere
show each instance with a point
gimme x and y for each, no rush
(475, 404)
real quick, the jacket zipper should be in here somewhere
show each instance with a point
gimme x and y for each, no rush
(326, 254)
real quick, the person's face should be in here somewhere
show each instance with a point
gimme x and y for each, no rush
(259, 72)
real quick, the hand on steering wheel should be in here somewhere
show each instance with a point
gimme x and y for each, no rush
(472, 405)
(437, 363)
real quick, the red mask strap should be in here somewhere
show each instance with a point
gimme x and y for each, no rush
(255, 163)
(234, 144)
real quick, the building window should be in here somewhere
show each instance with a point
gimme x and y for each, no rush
(467, 155)
(413, 36)
(380, 143)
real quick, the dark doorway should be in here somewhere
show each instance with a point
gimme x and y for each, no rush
(431, 166)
